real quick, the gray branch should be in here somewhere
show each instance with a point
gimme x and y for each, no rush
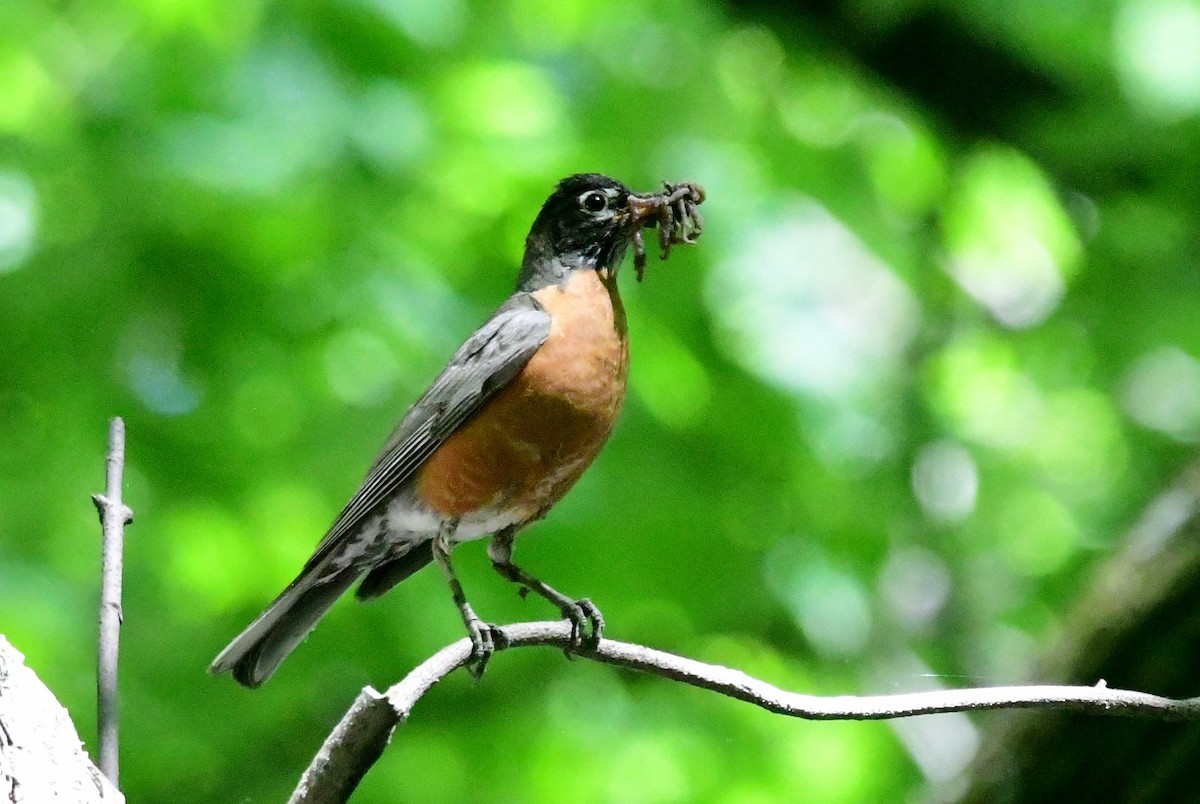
(114, 516)
(359, 739)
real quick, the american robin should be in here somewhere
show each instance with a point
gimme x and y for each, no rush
(503, 432)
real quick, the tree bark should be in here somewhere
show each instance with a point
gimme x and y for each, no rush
(41, 756)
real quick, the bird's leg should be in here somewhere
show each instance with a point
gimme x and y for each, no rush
(580, 613)
(483, 635)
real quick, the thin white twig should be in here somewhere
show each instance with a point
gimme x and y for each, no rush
(114, 516)
(359, 739)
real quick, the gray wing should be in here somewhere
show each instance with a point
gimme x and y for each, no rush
(482, 366)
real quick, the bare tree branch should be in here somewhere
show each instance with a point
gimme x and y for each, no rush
(114, 516)
(359, 739)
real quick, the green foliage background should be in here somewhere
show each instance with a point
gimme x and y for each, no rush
(933, 353)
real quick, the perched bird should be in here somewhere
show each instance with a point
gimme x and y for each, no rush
(503, 432)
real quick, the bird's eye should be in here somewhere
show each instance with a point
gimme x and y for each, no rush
(594, 201)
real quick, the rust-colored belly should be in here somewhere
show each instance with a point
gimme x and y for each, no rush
(530, 443)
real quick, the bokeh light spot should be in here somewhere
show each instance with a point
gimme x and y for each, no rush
(976, 387)
(28, 91)
(509, 100)
(390, 125)
(428, 22)
(549, 25)
(201, 538)
(651, 50)
(1156, 49)
(750, 64)
(161, 386)
(152, 355)
(1162, 391)
(18, 220)
(830, 605)
(1079, 446)
(821, 106)
(360, 367)
(808, 307)
(945, 481)
(287, 117)
(1010, 244)
(1037, 533)
(915, 585)
(907, 169)
(834, 762)
(849, 440)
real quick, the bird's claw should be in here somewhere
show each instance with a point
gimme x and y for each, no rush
(486, 639)
(587, 623)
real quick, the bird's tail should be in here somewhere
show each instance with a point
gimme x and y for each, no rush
(256, 652)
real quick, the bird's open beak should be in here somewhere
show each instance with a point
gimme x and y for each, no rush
(643, 209)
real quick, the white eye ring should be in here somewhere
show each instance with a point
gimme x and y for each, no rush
(594, 201)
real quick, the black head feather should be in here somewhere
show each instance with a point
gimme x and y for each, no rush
(585, 223)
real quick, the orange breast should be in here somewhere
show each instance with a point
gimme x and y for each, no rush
(530, 443)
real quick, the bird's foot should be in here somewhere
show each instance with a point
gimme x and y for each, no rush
(587, 623)
(486, 639)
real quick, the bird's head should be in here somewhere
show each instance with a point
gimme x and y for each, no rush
(587, 222)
